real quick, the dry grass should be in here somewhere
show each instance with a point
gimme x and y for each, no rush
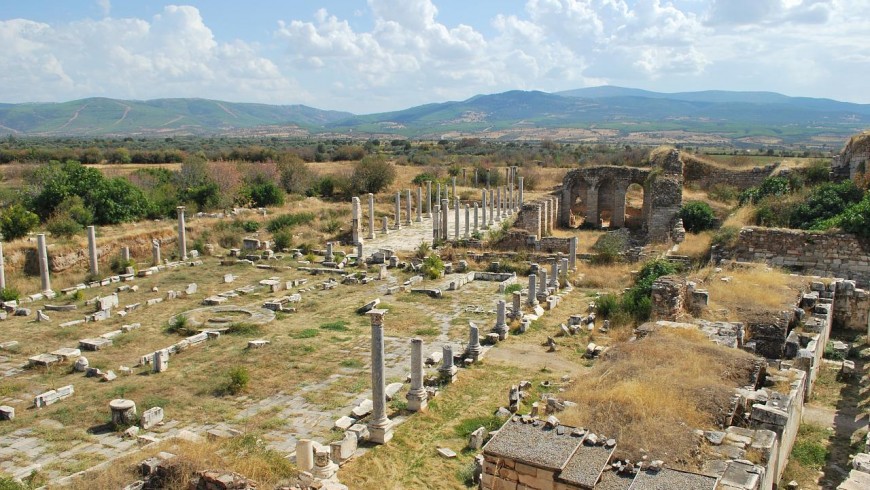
(697, 245)
(742, 216)
(652, 394)
(751, 290)
(610, 277)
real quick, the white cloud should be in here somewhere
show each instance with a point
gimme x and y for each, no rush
(105, 6)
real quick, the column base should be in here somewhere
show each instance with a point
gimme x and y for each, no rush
(417, 402)
(502, 331)
(381, 433)
(448, 376)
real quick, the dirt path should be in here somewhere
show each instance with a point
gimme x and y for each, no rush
(532, 356)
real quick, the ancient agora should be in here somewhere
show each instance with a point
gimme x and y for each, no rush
(669, 321)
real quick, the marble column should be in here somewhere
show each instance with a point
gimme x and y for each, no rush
(182, 234)
(476, 213)
(447, 371)
(398, 222)
(491, 206)
(305, 454)
(483, 205)
(419, 204)
(454, 187)
(385, 226)
(544, 284)
(329, 255)
(456, 218)
(497, 204)
(42, 257)
(572, 253)
(436, 223)
(125, 254)
(563, 267)
(487, 179)
(517, 306)
(500, 322)
(428, 198)
(554, 272)
(520, 189)
(445, 215)
(408, 207)
(417, 397)
(155, 252)
(380, 427)
(355, 220)
(474, 349)
(2, 269)
(92, 251)
(510, 200)
(438, 193)
(371, 216)
(467, 221)
(533, 294)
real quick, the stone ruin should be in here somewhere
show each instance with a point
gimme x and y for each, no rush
(852, 161)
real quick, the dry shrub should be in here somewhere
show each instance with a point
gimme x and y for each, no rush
(697, 245)
(652, 394)
(614, 277)
(751, 290)
(743, 216)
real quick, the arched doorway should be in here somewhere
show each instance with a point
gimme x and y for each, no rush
(634, 207)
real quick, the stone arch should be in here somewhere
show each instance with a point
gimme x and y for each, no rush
(636, 202)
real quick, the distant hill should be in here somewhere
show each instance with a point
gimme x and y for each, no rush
(595, 113)
(102, 116)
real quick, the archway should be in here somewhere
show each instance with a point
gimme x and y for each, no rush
(578, 205)
(634, 207)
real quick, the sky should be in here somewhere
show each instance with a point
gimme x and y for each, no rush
(381, 55)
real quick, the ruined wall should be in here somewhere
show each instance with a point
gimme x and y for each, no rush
(811, 253)
(707, 176)
(673, 297)
(851, 306)
(538, 217)
(522, 240)
(852, 161)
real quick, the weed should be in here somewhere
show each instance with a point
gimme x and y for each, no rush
(511, 289)
(238, 380)
(467, 426)
(242, 328)
(427, 332)
(336, 326)
(351, 363)
(308, 333)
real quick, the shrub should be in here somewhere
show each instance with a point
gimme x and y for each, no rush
(423, 250)
(296, 176)
(726, 236)
(606, 305)
(608, 247)
(697, 216)
(264, 193)
(856, 218)
(288, 221)
(513, 288)
(432, 267)
(180, 326)
(17, 222)
(250, 226)
(9, 294)
(723, 193)
(63, 225)
(421, 179)
(637, 300)
(282, 238)
(823, 203)
(771, 186)
(238, 380)
(322, 187)
(372, 174)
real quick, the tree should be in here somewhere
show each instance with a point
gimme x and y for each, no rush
(17, 222)
(697, 216)
(372, 174)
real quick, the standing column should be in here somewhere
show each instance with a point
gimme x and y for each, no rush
(438, 194)
(417, 397)
(473, 350)
(476, 211)
(380, 427)
(543, 285)
(371, 216)
(2, 269)
(500, 324)
(533, 294)
(447, 371)
(454, 187)
(517, 306)
(467, 221)
(385, 229)
(42, 251)
(305, 454)
(92, 251)
(510, 199)
(521, 189)
(182, 234)
(491, 206)
(445, 214)
(398, 225)
(155, 252)
(563, 268)
(554, 271)
(475, 176)
(572, 253)
(436, 223)
(428, 198)
(487, 178)
(483, 205)
(125, 254)
(455, 218)
(498, 204)
(407, 207)
(419, 204)
(355, 220)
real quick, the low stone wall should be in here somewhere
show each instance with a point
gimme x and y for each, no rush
(522, 240)
(812, 253)
(707, 176)
(538, 217)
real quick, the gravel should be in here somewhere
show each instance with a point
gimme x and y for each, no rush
(537, 446)
(586, 465)
(668, 479)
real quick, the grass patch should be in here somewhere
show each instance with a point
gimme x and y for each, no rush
(351, 363)
(242, 328)
(469, 425)
(427, 332)
(511, 289)
(308, 333)
(336, 326)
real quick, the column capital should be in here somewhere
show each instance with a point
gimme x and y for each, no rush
(377, 316)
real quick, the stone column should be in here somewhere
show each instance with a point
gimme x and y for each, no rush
(544, 284)
(123, 412)
(554, 272)
(445, 215)
(419, 204)
(417, 397)
(329, 255)
(359, 253)
(592, 203)
(617, 220)
(125, 254)
(408, 207)
(454, 187)
(385, 228)
(500, 323)
(438, 194)
(517, 304)
(473, 350)
(429, 198)
(455, 218)
(380, 427)
(491, 206)
(497, 204)
(476, 212)
(467, 221)
(398, 224)
(2, 269)
(533, 294)
(92, 251)
(182, 234)
(42, 257)
(355, 220)
(464, 177)
(521, 190)
(475, 177)
(155, 252)
(305, 454)
(510, 200)
(483, 194)
(436, 222)
(487, 178)
(572, 253)
(371, 216)
(447, 371)
(563, 267)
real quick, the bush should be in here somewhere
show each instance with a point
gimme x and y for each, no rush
(513, 288)
(432, 267)
(238, 380)
(180, 326)
(62, 225)
(423, 250)
(264, 193)
(606, 305)
(771, 186)
(296, 176)
(421, 179)
(637, 301)
(724, 193)
(322, 187)
(17, 222)
(283, 239)
(726, 236)
(609, 247)
(9, 294)
(697, 216)
(288, 221)
(250, 226)
(372, 174)
(825, 202)
(856, 218)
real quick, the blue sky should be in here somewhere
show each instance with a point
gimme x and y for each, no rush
(379, 55)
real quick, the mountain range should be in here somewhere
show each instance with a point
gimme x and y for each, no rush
(600, 113)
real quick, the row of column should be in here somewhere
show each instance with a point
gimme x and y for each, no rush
(93, 257)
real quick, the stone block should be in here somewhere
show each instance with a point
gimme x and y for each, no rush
(151, 417)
